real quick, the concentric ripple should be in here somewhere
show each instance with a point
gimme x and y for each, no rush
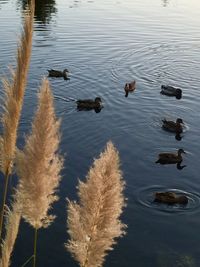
(145, 197)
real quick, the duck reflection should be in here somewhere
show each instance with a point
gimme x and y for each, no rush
(172, 158)
(178, 137)
(43, 9)
(165, 2)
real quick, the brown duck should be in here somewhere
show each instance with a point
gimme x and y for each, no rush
(170, 198)
(58, 73)
(170, 158)
(88, 104)
(129, 87)
(171, 126)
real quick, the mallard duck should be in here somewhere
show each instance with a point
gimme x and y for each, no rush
(170, 158)
(88, 104)
(58, 73)
(171, 91)
(129, 87)
(171, 126)
(170, 198)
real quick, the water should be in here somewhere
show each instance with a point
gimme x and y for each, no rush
(105, 44)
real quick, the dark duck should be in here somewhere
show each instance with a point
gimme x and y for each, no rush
(170, 198)
(59, 73)
(174, 127)
(171, 158)
(89, 104)
(171, 91)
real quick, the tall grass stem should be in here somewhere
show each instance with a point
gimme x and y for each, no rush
(4, 201)
(35, 247)
(26, 262)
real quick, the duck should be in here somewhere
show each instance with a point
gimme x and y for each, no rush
(171, 91)
(88, 104)
(171, 158)
(171, 126)
(129, 87)
(170, 198)
(58, 73)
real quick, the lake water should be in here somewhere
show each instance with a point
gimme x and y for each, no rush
(105, 44)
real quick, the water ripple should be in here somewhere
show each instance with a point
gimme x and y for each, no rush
(145, 197)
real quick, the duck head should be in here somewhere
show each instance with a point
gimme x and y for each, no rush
(183, 200)
(98, 100)
(178, 93)
(65, 71)
(180, 151)
(65, 74)
(179, 121)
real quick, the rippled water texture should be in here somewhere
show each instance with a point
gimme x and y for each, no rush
(106, 44)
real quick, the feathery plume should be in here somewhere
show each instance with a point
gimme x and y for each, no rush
(94, 223)
(11, 226)
(14, 93)
(39, 165)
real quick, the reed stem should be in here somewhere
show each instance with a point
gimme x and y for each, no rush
(4, 200)
(26, 262)
(35, 248)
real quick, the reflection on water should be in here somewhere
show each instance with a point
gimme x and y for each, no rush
(178, 137)
(165, 2)
(3, 2)
(43, 9)
(167, 257)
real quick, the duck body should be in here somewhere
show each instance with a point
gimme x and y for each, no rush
(170, 158)
(171, 91)
(88, 104)
(171, 126)
(170, 198)
(129, 87)
(58, 73)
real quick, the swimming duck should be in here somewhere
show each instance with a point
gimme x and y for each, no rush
(129, 87)
(58, 73)
(170, 158)
(171, 91)
(170, 198)
(88, 104)
(171, 126)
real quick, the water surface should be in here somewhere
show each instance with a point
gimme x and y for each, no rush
(105, 44)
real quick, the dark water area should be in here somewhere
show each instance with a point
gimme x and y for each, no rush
(105, 44)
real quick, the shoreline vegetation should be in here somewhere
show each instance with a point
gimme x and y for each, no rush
(93, 223)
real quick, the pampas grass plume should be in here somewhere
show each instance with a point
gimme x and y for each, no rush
(12, 225)
(38, 165)
(94, 223)
(14, 93)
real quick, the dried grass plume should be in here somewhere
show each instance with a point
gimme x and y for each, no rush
(12, 225)
(14, 93)
(39, 164)
(94, 223)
